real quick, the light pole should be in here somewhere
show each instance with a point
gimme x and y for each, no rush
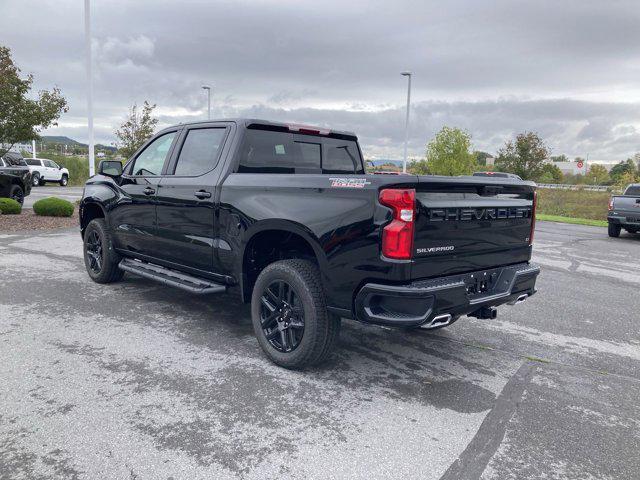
(208, 89)
(87, 34)
(406, 125)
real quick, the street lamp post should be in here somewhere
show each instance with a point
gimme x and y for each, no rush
(406, 125)
(208, 89)
(87, 34)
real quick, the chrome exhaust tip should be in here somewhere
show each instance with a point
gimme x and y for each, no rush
(518, 300)
(438, 321)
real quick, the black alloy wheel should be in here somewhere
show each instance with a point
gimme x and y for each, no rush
(94, 251)
(281, 316)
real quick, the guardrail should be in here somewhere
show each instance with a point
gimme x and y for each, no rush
(560, 186)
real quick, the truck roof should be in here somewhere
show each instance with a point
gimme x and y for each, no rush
(245, 122)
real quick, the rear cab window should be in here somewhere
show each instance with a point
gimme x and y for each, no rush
(633, 190)
(271, 149)
(33, 162)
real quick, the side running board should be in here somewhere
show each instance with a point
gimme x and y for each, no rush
(170, 277)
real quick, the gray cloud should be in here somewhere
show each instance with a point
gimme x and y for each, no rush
(567, 69)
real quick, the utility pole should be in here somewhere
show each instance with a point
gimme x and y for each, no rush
(406, 125)
(33, 149)
(87, 34)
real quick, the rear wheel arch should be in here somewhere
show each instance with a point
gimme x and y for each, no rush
(270, 244)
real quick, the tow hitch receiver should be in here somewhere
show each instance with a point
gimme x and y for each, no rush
(485, 313)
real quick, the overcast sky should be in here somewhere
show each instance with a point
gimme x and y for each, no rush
(569, 70)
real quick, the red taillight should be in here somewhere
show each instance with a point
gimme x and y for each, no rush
(397, 237)
(611, 204)
(533, 217)
(308, 129)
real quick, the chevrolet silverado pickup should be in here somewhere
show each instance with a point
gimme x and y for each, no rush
(286, 217)
(624, 211)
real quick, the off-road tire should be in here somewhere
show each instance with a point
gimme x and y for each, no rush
(17, 193)
(321, 328)
(109, 271)
(614, 230)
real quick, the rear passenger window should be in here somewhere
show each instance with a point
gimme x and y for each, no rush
(200, 151)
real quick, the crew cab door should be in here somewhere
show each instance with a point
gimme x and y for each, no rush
(133, 218)
(186, 201)
(55, 172)
(50, 172)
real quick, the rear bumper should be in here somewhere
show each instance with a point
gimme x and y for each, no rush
(624, 219)
(420, 302)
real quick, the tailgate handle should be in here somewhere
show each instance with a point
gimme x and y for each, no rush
(486, 190)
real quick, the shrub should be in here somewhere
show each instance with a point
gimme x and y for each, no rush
(573, 203)
(53, 207)
(8, 206)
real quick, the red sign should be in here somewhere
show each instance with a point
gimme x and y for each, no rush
(580, 164)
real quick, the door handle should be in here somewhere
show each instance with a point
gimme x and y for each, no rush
(148, 191)
(201, 194)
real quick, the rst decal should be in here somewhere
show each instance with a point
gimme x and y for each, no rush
(349, 182)
(447, 248)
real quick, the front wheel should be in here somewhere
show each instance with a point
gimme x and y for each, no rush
(35, 180)
(100, 259)
(290, 317)
(64, 180)
(614, 230)
(17, 194)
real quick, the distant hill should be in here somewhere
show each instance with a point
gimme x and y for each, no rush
(62, 140)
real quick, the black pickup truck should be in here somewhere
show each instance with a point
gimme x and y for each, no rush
(286, 216)
(624, 211)
(15, 177)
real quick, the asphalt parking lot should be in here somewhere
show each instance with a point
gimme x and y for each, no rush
(135, 380)
(67, 193)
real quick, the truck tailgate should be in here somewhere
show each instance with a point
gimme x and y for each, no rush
(627, 204)
(465, 224)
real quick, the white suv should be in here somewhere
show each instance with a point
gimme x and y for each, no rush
(43, 170)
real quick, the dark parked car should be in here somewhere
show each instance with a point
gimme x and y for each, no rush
(624, 211)
(285, 216)
(15, 178)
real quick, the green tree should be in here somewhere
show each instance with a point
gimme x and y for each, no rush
(21, 118)
(597, 175)
(449, 153)
(625, 179)
(481, 157)
(621, 169)
(419, 167)
(137, 128)
(560, 158)
(524, 157)
(550, 174)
